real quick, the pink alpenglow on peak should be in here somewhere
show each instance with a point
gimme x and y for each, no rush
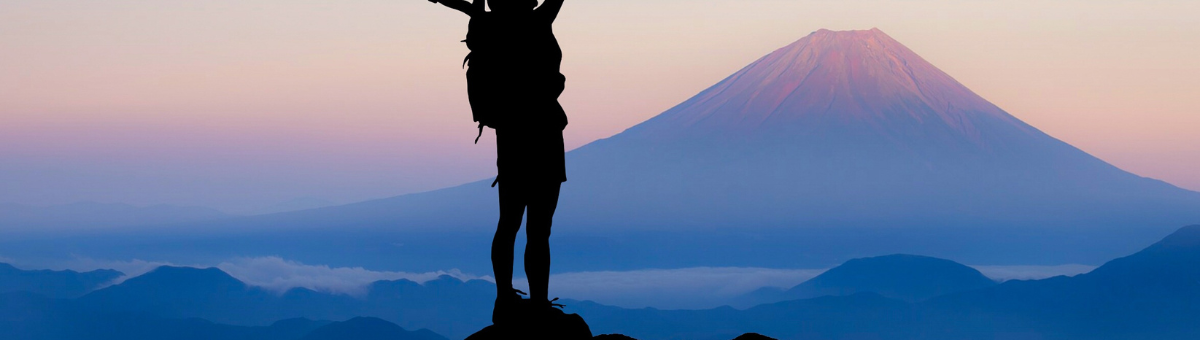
(831, 79)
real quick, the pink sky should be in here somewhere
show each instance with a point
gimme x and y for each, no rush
(239, 105)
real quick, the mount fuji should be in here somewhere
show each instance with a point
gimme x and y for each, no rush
(843, 144)
(853, 128)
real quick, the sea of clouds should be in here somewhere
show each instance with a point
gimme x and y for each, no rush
(279, 275)
(683, 288)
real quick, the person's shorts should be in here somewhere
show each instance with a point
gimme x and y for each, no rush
(534, 155)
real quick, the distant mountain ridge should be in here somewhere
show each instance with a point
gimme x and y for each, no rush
(67, 325)
(55, 284)
(444, 305)
(911, 278)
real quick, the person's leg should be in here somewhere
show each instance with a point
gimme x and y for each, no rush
(512, 206)
(543, 200)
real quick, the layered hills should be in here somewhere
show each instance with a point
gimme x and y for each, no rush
(1151, 294)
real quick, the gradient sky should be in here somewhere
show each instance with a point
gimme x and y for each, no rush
(241, 105)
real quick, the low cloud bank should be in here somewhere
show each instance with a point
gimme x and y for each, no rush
(687, 288)
(279, 275)
(697, 288)
(1005, 273)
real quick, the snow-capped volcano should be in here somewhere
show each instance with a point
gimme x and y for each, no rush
(851, 127)
(828, 81)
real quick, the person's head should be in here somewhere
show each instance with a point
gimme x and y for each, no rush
(512, 5)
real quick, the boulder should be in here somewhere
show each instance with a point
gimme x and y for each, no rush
(551, 323)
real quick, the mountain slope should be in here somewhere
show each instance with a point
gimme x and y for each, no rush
(1150, 294)
(904, 277)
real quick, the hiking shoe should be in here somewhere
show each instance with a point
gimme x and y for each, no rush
(547, 308)
(505, 309)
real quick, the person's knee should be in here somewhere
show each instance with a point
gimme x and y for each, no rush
(510, 222)
(538, 234)
(510, 232)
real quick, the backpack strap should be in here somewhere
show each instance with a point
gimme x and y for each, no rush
(480, 133)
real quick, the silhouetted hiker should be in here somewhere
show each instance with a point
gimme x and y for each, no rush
(514, 82)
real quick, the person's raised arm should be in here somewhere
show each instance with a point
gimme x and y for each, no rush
(549, 9)
(462, 5)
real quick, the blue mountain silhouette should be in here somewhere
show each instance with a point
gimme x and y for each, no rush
(1152, 294)
(180, 292)
(51, 283)
(905, 277)
(445, 305)
(76, 326)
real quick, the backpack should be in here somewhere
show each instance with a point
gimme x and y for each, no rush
(495, 83)
(481, 82)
